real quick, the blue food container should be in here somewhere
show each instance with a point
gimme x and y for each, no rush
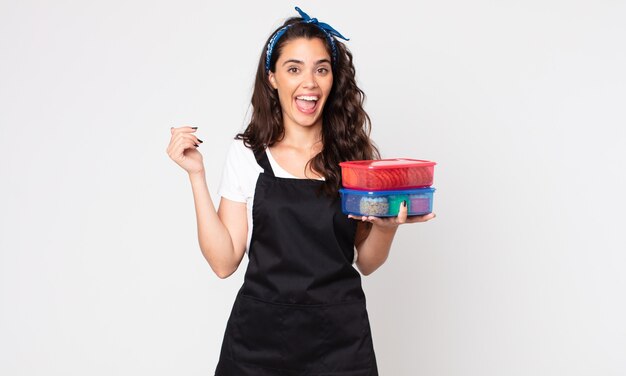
(386, 203)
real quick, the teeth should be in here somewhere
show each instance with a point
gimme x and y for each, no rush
(307, 98)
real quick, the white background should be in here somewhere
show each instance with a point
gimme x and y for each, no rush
(522, 104)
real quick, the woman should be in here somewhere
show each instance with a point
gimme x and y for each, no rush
(301, 309)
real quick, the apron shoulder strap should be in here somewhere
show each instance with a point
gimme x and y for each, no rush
(264, 162)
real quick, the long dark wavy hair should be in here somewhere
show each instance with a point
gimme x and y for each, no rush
(346, 126)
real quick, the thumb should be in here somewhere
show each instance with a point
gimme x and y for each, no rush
(403, 212)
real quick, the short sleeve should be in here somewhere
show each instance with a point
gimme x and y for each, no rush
(240, 174)
(232, 183)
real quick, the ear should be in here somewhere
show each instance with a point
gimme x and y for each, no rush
(272, 79)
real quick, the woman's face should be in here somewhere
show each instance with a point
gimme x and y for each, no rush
(303, 78)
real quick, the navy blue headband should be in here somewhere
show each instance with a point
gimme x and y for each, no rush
(326, 28)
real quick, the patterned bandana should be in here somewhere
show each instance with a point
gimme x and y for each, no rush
(326, 28)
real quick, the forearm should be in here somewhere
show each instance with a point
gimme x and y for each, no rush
(213, 236)
(374, 250)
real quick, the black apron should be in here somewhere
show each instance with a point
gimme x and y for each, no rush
(301, 309)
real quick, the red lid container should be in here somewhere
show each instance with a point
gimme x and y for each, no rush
(384, 174)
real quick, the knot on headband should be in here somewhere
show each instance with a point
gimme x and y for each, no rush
(328, 30)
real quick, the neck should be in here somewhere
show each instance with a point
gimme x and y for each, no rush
(302, 137)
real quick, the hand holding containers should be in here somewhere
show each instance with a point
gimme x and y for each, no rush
(378, 187)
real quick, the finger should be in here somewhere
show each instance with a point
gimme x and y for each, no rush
(193, 137)
(376, 220)
(362, 218)
(186, 140)
(183, 129)
(182, 144)
(403, 212)
(421, 218)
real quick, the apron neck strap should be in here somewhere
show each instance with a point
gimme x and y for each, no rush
(264, 162)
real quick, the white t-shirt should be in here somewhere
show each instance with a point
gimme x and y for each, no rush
(239, 177)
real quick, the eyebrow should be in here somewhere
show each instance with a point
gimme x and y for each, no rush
(296, 61)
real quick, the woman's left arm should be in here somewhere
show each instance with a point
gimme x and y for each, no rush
(375, 235)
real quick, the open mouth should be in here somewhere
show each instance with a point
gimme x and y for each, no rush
(307, 103)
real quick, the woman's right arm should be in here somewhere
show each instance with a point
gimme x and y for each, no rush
(222, 234)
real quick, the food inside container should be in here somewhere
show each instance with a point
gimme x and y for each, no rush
(385, 174)
(386, 203)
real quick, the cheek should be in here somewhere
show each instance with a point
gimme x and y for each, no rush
(284, 96)
(328, 85)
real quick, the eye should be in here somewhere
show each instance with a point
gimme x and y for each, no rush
(292, 69)
(323, 70)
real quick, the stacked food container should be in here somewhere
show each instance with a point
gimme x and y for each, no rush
(378, 187)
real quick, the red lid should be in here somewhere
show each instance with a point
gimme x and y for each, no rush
(387, 163)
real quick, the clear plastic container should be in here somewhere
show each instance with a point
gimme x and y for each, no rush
(385, 174)
(386, 203)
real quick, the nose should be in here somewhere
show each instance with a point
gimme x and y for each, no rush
(309, 80)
